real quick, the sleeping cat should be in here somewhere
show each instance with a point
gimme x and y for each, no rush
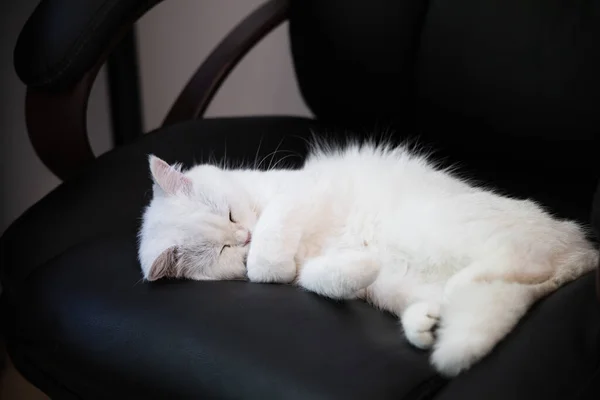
(459, 264)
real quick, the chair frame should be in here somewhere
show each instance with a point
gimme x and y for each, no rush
(57, 119)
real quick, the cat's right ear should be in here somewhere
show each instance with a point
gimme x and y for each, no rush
(165, 265)
(168, 178)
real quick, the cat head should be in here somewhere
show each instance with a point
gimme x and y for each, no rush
(197, 226)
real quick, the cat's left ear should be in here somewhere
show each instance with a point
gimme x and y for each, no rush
(168, 178)
(165, 265)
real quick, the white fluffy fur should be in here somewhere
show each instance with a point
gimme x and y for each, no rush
(458, 264)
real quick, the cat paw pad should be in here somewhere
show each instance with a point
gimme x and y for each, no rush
(419, 322)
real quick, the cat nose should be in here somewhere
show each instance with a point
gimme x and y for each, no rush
(242, 237)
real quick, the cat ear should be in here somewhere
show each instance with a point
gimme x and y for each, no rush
(168, 178)
(164, 266)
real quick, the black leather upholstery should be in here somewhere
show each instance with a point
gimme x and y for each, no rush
(115, 337)
(355, 61)
(85, 320)
(109, 196)
(509, 89)
(80, 313)
(64, 38)
(519, 76)
(507, 67)
(81, 324)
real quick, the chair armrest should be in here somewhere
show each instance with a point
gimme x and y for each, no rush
(65, 42)
(63, 39)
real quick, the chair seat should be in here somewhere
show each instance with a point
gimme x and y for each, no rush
(80, 323)
(83, 317)
(110, 194)
(105, 334)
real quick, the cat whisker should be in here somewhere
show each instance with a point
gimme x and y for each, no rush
(282, 159)
(257, 152)
(223, 164)
(138, 282)
(272, 154)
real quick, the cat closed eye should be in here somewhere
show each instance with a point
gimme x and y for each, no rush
(223, 248)
(231, 217)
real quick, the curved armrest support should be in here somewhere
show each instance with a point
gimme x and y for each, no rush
(202, 87)
(65, 42)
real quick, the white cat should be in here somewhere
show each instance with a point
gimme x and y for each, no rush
(460, 265)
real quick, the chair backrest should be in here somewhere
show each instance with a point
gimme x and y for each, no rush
(508, 88)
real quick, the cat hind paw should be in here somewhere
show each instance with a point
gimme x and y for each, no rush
(453, 356)
(419, 322)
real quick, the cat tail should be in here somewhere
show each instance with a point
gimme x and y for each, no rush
(570, 267)
(479, 314)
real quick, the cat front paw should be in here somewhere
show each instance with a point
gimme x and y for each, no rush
(270, 270)
(419, 322)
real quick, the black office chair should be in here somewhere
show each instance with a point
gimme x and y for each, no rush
(509, 89)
